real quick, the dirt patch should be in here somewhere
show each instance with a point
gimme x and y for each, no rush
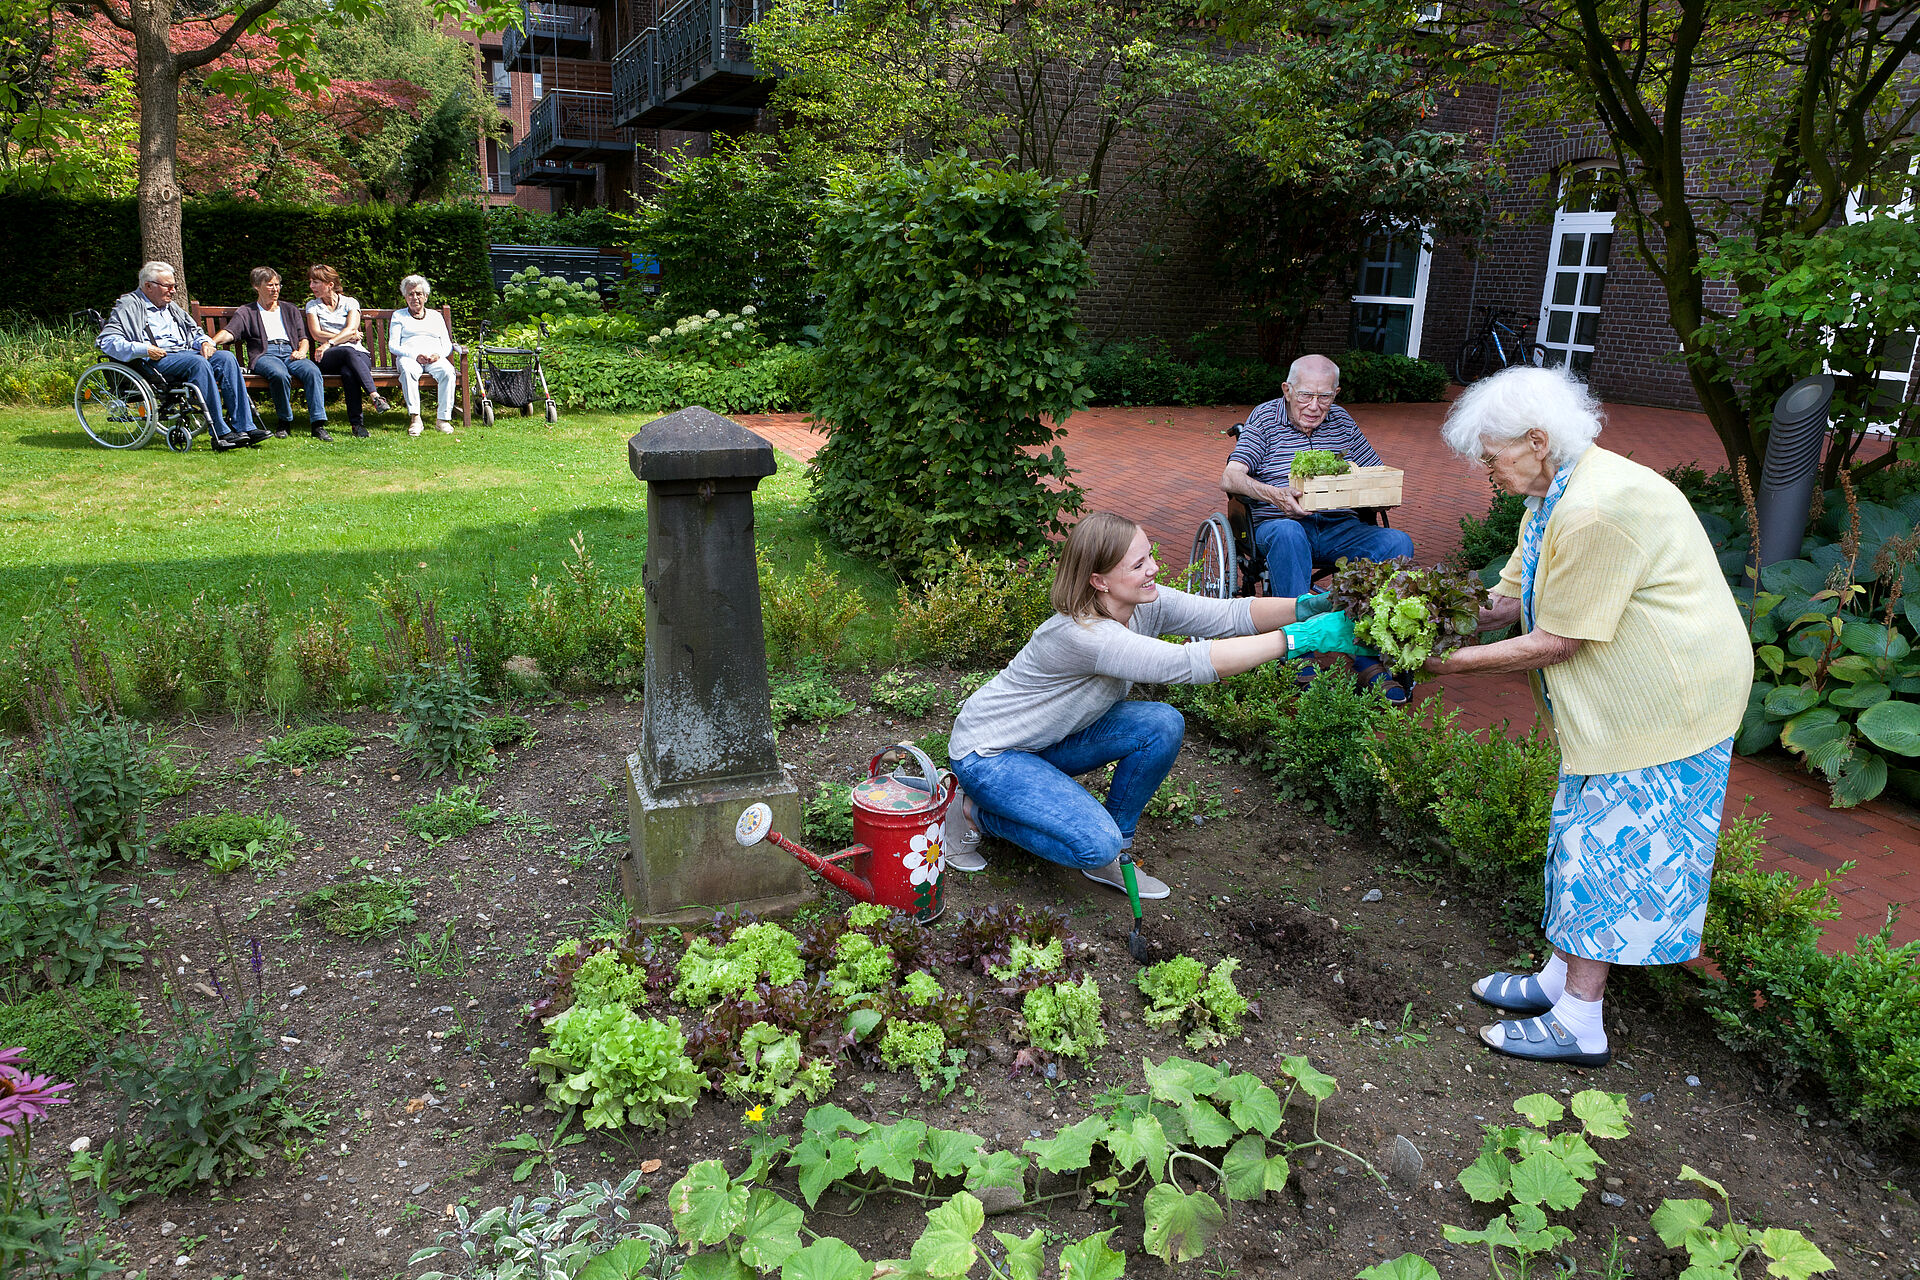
(420, 1066)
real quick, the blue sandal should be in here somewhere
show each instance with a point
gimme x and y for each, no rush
(1373, 673)
(1540, 1040)
(1519, 993)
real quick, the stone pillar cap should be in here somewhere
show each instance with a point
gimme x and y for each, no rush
(698, 444)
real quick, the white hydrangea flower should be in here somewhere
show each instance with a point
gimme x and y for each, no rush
(713, 315)
(738, 327)
(749, 311)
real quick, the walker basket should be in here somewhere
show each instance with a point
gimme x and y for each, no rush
(512, 388)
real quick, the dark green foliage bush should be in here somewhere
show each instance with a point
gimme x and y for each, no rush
(975, 608)
(731, 228)
(807, 696)
(613, 372)
(1149, 373)
(1489, 540)
(951, 349)
(372, 246)
(903, 693)
(1318, 755)
(1244, 708)
(1495, 811)
(582, 228)
(65, 1030)
(98, 767)
(302, 748)
(830, 817)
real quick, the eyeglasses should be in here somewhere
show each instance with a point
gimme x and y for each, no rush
(1488, 459)
(1316, 398)
(164, 284)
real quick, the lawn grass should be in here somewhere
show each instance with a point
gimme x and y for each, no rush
(305, 519)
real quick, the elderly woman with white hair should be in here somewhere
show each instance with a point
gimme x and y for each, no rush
(1636, 653)
(419, 342)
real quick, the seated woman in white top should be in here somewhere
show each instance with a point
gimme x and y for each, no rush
(333, 322)
(420, 344)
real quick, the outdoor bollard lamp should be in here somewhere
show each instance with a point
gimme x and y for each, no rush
(706, 731)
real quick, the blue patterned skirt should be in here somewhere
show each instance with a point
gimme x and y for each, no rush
(1630, 859)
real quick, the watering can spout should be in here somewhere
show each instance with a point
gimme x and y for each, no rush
(755, 825)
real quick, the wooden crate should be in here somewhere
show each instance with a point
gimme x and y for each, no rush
(1360, 487)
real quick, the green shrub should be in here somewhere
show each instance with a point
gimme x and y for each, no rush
(582, 630)
(903, 694)
(65, 1030)
(589, 372)
(529, 294)
(807, 614)
(438, 708)
(1243, 709)
(582, 228)
(1318, 755)
(1495, 811)
(322, 649)
(228, 841)
(1369, 377)
(807, 697)
(951, 350)
(448, 816)
(39, 363)
(99, 768)
(830, 816)
(1148, 373)
(1490, 540)
(975, 608)
(305, 747)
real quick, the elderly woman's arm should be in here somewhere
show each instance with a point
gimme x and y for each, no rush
(1530, 652)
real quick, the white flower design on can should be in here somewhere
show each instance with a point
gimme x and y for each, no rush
(923, 858)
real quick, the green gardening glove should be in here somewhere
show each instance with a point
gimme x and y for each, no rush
(1309, 606)
(1324, 633)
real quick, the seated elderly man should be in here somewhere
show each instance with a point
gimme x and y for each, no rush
(148, 324)
(1290, 538)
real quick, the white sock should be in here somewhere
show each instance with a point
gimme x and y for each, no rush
(1553, 977)
(1582, 1020)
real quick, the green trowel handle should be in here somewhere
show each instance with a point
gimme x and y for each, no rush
(1133, 886)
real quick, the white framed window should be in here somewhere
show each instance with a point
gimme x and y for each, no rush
(1577, 260)
(1390, 293)
(1890, 199)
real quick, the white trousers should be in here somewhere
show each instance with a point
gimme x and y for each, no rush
(444, 375)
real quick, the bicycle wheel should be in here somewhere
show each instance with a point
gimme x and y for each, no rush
(115, 406)
(1217, 572)
(1539, 357)
(1474, 362)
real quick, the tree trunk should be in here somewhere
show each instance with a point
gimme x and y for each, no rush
(158, 76)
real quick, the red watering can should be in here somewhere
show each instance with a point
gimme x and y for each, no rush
(899, 831)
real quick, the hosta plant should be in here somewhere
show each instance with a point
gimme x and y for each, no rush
(1406, 613)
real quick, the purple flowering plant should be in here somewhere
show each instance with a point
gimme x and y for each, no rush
(24, 1098)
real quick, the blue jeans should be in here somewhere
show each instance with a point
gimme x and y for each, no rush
(281, 370)
(1291, 547)
(218, 379)
(1030, 798)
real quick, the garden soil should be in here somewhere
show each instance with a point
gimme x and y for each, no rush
(1363, 968)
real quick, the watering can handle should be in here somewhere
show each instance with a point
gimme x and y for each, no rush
(939, 781)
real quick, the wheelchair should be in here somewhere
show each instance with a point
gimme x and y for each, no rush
(1225, 562)
(121, 404)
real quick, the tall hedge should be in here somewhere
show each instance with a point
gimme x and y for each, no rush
(950, 354)
(61, 254)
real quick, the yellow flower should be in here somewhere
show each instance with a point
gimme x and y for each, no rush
(756, 1115)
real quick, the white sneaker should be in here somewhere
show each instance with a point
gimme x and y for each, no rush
(1112, 877)
(963, 850)
(446, 425)
(413, 425)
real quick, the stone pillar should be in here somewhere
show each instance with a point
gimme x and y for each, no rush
(706, 733)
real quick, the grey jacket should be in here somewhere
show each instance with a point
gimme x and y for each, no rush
(125, 336)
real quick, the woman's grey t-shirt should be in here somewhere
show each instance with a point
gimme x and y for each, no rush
(1071, 673)
(332, 319)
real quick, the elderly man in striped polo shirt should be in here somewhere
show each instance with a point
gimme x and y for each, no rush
(1290, 537)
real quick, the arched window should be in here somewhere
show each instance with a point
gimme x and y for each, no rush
(1577, 258)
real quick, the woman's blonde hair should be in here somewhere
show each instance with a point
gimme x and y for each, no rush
(1096, 545)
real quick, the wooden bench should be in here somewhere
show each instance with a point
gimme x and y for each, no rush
(373, 333)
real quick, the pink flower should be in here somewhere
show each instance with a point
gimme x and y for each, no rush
(24, 1098)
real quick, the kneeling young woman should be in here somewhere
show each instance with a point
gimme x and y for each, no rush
(1059, 709)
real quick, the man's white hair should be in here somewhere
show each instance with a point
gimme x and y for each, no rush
(411, 281)
(152, 271)
(1295, 369)
(1498, 410)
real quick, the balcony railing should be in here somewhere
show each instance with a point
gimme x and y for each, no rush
(693, 69)
(557, 29)
(569, 130)
(499, 184)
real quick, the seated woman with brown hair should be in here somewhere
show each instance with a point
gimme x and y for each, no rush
(1060, 708)
(333, 322)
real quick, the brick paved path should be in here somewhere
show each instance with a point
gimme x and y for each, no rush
(1162, 467)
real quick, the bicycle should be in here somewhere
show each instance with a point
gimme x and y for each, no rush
(1499, 345)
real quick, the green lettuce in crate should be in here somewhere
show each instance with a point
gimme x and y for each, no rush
(1319, 462)
(1406, 613)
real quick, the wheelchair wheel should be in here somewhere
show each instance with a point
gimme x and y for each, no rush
(179, 438)
(1217, 573)
(115, 406)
